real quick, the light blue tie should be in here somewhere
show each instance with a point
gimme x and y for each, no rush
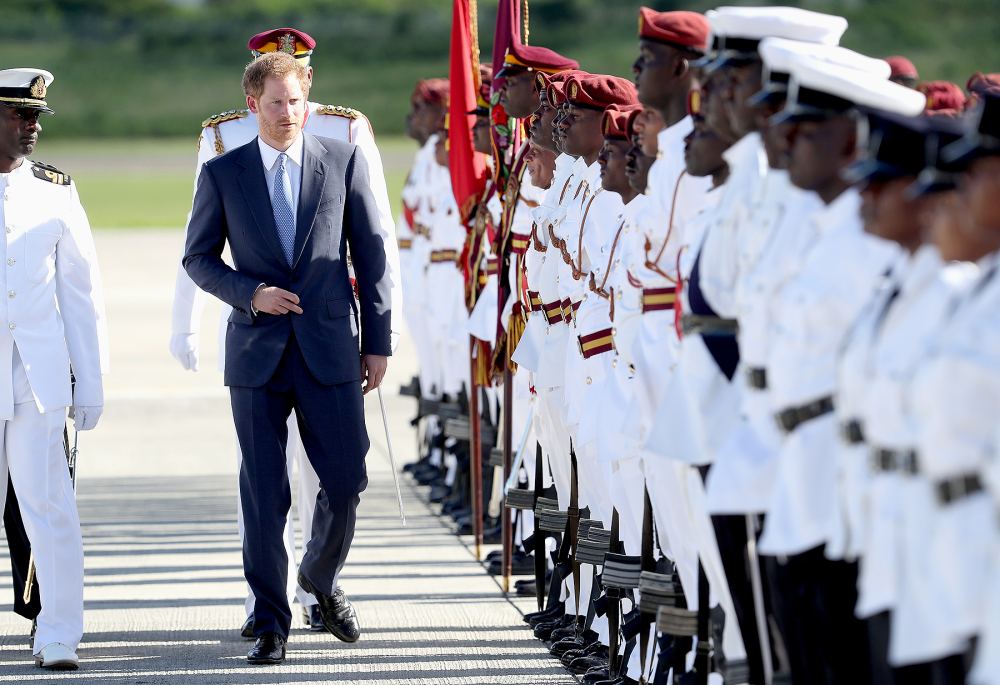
(281, 203)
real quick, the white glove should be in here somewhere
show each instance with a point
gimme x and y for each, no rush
(184, 348)
(85, 418)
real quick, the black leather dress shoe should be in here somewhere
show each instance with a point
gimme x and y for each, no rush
(246, 632)
(336, 611)
(269, 649)
(585, 664)
(566, 644)
(315, 620)
(553, 612)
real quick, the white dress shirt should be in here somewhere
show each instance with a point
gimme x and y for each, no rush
(269, 156)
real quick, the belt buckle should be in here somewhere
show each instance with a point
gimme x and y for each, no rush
(787, 420)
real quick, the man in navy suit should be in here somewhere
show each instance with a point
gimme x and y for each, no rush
(289, 205)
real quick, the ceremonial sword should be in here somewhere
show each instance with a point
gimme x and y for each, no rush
(29, 583)
(392, 459)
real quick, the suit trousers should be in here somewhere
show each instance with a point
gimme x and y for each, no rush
(331, 423)
(31, 452)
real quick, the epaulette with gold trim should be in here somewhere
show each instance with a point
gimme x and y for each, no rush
(225, 116)
(47, 172)
(339, 111)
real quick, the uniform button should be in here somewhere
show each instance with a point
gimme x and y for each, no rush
(10, 229)
(12, 325)
(11, 261)
(11, 294)
(589, 380)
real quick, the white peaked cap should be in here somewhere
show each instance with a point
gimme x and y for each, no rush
(867, 88)
(756, 23)
(779, 54)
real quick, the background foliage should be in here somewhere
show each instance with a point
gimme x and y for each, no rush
(130, 68)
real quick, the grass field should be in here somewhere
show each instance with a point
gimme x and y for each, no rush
(149, 183)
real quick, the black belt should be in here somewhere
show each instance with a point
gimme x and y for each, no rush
(698, 324)
(951, 490)
(793, 417)
(757, 378)
(884, 460)
(852, 432)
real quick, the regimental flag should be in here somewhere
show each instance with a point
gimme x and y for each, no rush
(504, 129)
(467, 167)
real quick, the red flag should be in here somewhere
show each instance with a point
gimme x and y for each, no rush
(503, 133)
(467, 167)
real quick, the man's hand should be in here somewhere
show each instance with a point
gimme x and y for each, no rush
(373, 368)
(184, 348)
(271, 300)
(85, 418)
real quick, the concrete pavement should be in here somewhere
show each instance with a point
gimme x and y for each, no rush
(164, 585)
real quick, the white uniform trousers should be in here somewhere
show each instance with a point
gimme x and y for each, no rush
(307, 491)
(32, 454)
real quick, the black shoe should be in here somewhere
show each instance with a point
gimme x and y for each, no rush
(315, 620)
(269, 649)
(550, 614)
(565, 645)
(246, 632)
(438, 493)
(585, 664)
(336, 611)
(596, 675)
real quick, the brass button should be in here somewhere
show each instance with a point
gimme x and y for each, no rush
(11, 261)
(12, 325)
(589, 380)
(11, 294)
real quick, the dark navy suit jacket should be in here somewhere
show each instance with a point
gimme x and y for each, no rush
(336, 210)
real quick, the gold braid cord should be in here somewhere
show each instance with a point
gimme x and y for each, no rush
(474, 42)
(526, 15)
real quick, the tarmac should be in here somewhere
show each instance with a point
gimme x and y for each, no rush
(157, 497)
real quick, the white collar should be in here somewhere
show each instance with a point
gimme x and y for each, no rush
(269, 155)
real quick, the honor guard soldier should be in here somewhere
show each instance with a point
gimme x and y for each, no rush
(813, 311)
(228, 131)
(52, 321)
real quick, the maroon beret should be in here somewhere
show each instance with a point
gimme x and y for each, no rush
(294, 42)
(979, 82)
(901, 67)
(942, 95)
(598, 91)
(680, 29)
(615, 121)
(434, 91)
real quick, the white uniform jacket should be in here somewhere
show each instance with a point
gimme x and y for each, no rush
(53, 306)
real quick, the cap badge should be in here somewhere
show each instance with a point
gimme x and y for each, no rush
(286, 43)
(37, 87)
(574, 89)
(640, 23)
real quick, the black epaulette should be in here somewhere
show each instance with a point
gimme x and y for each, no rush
(339, 111)
(47, 172)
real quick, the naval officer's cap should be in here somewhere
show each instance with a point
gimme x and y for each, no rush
(819, 90)
(939, 175)
(982, 132)
(738, 31)
(891, 146)
(779, 54)
(25, 88)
